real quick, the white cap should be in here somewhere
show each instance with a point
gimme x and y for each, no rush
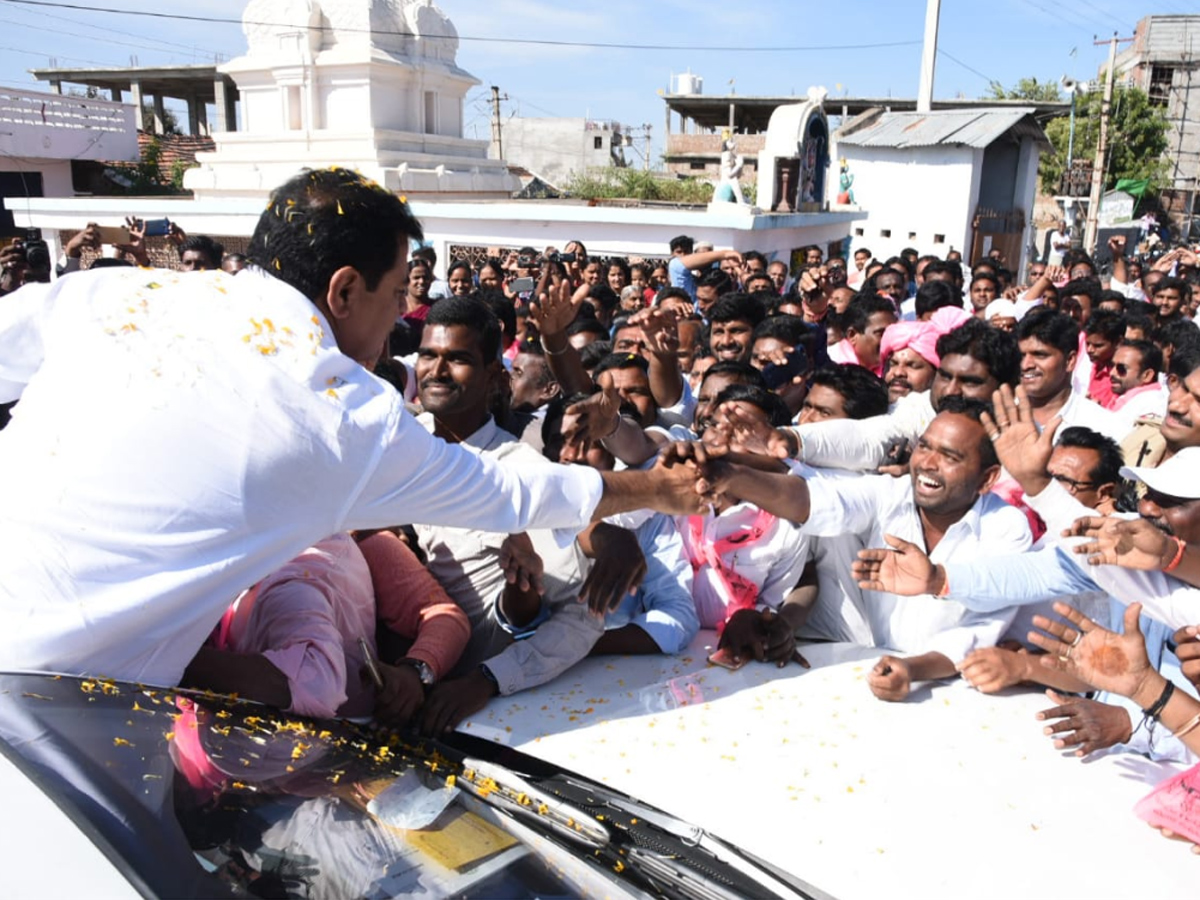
(1178, 477)
(1006, 309)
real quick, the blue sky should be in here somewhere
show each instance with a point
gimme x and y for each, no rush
(1003, 40)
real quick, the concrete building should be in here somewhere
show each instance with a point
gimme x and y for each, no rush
(554, 149)
(197, 86)
(42, 133)
(1162, 61)
(694, 122)
(942, 180)
(368, 84)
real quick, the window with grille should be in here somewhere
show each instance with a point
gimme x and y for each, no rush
(1160, 84)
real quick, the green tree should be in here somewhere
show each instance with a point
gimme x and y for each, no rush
(1026, 89)
(1137, 140)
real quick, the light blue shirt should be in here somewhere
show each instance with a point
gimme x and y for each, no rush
(662, 606)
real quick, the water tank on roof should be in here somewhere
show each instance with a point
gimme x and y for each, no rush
(687, 83)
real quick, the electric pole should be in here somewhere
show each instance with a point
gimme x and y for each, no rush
(929, 56)
(497, 139)
(1093, 214)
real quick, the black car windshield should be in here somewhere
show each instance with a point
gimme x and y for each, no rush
(200, 795)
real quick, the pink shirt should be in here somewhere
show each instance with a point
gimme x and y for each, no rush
(307, 617)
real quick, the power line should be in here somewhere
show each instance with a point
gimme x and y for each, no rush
(102, 40)
(192, 48)
(543, 42)
(952, 59)
(49, 56)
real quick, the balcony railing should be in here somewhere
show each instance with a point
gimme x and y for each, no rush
(53, 126)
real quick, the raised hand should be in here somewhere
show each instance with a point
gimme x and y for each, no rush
(743, 432)
(1131, 543)
(1022, 450)
(905, 569)
(660, 330)
(1092, 653)
(553, 310)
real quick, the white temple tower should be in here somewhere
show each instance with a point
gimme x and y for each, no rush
(367, 84)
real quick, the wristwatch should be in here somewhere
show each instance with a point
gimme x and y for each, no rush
(423, 671)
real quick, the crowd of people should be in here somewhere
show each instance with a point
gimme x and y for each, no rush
(339, 479)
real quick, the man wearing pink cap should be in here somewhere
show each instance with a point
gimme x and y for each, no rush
(908, 352)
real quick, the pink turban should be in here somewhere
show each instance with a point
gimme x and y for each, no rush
(921, 337)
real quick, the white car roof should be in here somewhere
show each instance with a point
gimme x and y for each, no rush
(952, 791)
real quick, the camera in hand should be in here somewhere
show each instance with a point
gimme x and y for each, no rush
(37, 253)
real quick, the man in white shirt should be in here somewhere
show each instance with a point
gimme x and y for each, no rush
(1060, 243)
(179, 437)
(1135, 382)
(944, 506)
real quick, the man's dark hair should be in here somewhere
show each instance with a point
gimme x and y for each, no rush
(1088, 287)
(1184, 287)
(715, 278)
(791, 330)
(1178, 334)
(1113, 296)
(986, 276)
(870, 255)
(1140, 308)
(767, 292)
(588, 326)
(591, 354)
(905, 264)
(996, 349)
(945, 267)
(426, 253)
(858, 313)
(683, 244)
(321, 221)
(1107, 324)
(911, 254)
(1055, 329)
(603, 297)
(1149, 355)
(1184, 362)
(756, 256)
(1144, 324)
(621, 361)
(737, 306)
(743, 372)
(935, 295)
(988, 263)
(973, 409)
(203, 244)
(476, 316)
(770, 403)
(502, 309)
(1108, 468)
(1073, 258)
(864, 394)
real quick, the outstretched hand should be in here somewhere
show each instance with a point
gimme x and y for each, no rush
(1131, 543)
(740, 431)
(904, 569)
(1093, 654)
(588, 422)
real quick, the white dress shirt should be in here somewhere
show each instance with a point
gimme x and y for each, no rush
(182, 435)
(774, 562)
(862, 444)
(875, 505)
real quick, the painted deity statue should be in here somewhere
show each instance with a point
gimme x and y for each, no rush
(845, 184)
(729, 189)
